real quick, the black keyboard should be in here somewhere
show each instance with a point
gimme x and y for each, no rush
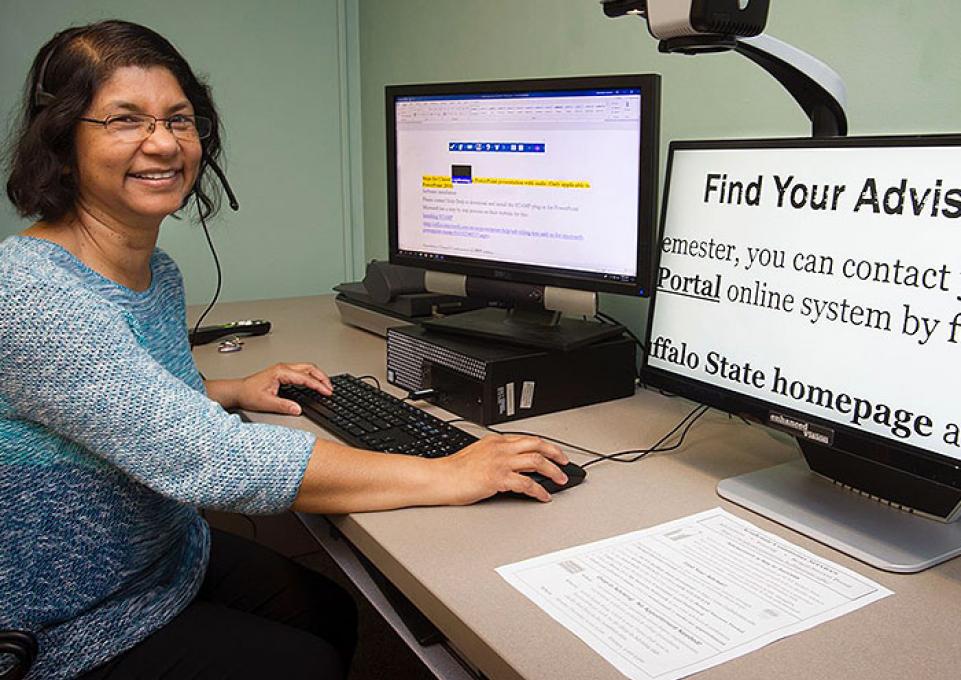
(368, 418)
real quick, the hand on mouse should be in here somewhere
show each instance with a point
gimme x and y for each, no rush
(495, 464)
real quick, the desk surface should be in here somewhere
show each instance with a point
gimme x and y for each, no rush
(444, 559)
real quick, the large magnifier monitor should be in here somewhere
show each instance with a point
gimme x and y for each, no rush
(526, 193)
(816, 286)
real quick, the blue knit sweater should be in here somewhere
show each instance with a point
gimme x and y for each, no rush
(108, 445)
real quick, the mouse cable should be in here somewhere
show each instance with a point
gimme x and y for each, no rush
(554, 440)
(639, 454)
(616, 457)
(687, 422)
(213, 251)
(598, 456)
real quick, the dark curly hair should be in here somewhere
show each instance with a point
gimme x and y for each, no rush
(73, 65)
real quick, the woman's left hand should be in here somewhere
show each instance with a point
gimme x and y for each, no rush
(258, 392)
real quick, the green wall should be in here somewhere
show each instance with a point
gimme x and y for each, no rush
(279, 76)
(900, 60)
(300, 85)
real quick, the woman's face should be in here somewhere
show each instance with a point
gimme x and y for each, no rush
(137, 184)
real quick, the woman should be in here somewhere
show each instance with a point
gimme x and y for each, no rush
(109, 438)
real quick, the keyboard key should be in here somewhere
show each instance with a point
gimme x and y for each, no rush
(368, 418)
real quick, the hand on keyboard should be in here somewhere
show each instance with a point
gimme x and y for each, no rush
(368, 418)
(259, 392)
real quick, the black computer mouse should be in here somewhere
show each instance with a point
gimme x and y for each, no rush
(575, 475)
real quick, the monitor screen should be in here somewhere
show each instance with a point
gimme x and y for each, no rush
(820, 279)
(816, 285)
(544, 182)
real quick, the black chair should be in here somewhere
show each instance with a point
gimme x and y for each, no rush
(23, 647)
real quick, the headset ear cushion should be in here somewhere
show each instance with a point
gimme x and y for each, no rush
(43, 99)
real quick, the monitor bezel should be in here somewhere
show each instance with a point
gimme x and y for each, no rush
(650, 86)
(929, 465)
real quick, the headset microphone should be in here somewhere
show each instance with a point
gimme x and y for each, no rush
(231, 199)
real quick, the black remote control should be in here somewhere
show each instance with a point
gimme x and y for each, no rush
(206, 334)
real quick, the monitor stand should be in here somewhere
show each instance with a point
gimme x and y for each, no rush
(866, 529)
(530, 328)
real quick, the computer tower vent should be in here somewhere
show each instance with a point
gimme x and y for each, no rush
(409, 360)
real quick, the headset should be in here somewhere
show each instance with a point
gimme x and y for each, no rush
(42, 98)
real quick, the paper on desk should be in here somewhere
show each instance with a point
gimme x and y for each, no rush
(675, 599)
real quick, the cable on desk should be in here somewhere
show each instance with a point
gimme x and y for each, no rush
(375, 380)
(687, 422)
(554, 440)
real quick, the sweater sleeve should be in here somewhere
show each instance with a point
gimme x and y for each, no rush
(71, 363)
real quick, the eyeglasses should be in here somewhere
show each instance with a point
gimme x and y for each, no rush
(136, 127)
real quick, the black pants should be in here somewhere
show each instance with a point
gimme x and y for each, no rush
(258, 615)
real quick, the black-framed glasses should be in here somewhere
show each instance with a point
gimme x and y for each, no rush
(136, 127)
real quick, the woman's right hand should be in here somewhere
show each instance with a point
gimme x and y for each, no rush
(495, 463)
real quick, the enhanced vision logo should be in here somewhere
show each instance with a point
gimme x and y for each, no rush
(802, 428)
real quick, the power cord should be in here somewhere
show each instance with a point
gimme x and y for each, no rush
(606, 318)
(610, 319)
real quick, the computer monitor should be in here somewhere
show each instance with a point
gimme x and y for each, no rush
(523, 192)
(815, 285)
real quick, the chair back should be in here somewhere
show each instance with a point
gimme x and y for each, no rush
(22, 646)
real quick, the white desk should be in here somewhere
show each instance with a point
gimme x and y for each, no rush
(443, 559)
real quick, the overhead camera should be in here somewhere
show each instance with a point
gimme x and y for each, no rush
(704, 26)
(695, 26)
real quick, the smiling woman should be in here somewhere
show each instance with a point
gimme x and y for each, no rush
(117, 438)
(90, 159)
(128, 167)
(109, 437)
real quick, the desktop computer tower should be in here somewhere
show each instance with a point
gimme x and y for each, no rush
(489, 383)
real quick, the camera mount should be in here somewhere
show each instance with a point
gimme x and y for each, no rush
(695, 27)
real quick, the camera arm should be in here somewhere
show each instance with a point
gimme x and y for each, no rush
(815, 86)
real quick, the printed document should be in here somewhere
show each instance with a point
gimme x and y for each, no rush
(681, 597)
